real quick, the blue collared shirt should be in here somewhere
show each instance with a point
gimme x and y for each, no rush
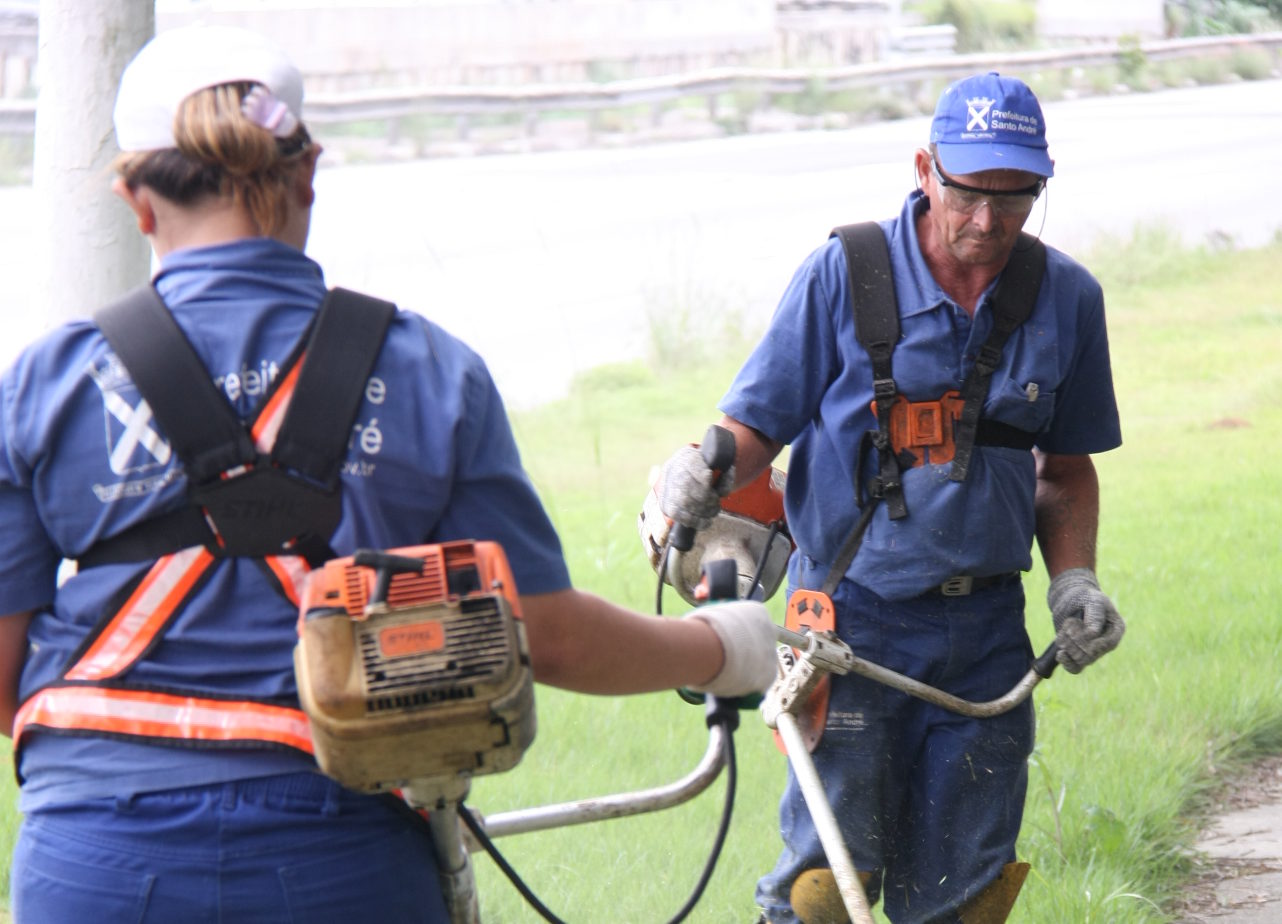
(431, 459)
(809, 384)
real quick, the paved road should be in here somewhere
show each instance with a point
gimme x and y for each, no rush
(554, 263)
(1244, 848)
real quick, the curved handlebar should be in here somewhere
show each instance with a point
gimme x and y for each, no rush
(621, 805)
(823, 652)
(830, 654)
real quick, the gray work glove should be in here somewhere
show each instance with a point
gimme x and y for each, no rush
(747, 636)
(689, 495)
(1087, 624)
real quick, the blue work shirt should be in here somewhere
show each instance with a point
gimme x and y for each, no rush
(809, 383)
(431, 459)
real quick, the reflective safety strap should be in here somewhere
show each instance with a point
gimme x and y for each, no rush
(267, 423)
(143, 616)
(162, 715)
(290, 571)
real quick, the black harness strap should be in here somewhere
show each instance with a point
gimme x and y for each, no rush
(201, 427)
(872, 290)
(340, 357)
(285, 503)
(1012, 305)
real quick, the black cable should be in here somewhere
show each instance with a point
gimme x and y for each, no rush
(775, 528)
(662, 568)
(709, 865)
(484, 839)
(722, 829)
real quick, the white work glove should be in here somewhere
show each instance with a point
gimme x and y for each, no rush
(1087, 624)
(688, 495)
(747, 637)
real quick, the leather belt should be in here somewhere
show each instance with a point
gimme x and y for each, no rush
(964, 584)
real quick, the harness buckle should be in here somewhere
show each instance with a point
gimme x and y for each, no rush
(959, 586)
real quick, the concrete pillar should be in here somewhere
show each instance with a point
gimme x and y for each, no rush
(88, 248)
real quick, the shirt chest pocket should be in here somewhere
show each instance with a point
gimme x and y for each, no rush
(1026, 405)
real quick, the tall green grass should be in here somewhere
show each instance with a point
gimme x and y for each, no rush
(1190, 546)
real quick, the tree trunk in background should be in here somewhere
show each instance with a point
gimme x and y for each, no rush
(88, 249)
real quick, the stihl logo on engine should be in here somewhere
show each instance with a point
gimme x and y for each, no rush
(413, 639)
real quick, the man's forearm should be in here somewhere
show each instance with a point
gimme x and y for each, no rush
(754, 451)
(1067, 511)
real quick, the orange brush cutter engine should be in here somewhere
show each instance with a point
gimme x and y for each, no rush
(412, 665)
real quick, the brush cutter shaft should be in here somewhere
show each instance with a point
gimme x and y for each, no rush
(843, 867)
(621, 805)
(831, 654)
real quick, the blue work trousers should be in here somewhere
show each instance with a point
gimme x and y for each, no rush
(929, 802)
(295, 848)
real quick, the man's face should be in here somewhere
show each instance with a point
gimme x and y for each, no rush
(978, 216)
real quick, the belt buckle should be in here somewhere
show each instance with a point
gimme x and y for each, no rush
(958, 586)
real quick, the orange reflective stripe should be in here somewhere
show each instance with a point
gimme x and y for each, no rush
(163, 715)
(269, 419)
(144, 614)
(291, 571)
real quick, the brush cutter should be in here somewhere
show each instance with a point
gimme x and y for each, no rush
(796, 705)
(413, 667)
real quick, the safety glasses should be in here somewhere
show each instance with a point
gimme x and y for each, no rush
(967, 199)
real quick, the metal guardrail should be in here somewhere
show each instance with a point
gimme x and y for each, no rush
(18, 116)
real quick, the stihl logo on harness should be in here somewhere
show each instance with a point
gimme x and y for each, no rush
(242, 501)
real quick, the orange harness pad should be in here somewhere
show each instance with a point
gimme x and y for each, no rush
(925, 428)
(813, 610)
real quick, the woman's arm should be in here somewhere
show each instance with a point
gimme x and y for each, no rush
(580, 642)
(13, 653)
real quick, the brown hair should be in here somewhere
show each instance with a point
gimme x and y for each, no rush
(220, 152)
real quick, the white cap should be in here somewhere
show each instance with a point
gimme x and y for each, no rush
(179, 62)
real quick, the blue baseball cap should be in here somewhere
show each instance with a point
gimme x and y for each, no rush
(990, 122)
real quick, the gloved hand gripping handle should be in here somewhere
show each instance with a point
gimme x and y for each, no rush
(718, 451)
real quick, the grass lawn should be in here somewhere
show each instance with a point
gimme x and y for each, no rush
(1190, 547)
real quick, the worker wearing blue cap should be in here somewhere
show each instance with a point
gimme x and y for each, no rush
(955, 436)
